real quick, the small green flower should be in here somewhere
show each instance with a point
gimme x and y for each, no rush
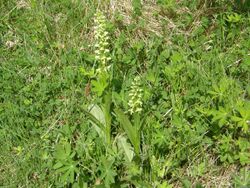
(102, 53)
(135, 94)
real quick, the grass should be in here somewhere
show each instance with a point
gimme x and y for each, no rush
(62, 124)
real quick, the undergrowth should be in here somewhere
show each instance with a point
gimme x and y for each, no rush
(124, 94)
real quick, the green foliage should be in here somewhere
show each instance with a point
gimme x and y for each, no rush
(242, 117)
(243, 179)
(133, 132)
(137, 7)
(65, 163)
(67, 90)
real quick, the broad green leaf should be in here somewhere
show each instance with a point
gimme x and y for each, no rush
(97, 112)
(137, 121)
(129, 129)
(96, 122)
(129, 152)
(107, 115)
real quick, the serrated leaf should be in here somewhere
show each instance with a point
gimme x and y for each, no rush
(58, 165)
(61, 152)
(65, 176)
(235, 118)
(98, 87)
(72, 176)
(67, 148)
(176, 57)
(63, 169)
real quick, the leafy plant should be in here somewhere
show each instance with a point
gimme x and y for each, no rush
(65, 163)
(133, 132)
(244, 116)
(243, 179)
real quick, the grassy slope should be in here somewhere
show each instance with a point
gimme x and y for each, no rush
(44, 44)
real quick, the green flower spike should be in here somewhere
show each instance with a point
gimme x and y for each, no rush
(135, 94)
(102, 53)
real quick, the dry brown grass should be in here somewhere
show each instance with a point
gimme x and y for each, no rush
(154, 19)
(213, 176)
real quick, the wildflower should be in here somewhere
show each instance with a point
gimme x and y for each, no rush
(135, 102)
(102, 53)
